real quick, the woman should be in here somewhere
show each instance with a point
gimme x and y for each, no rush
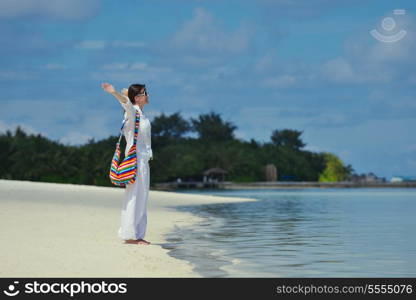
(133, 213)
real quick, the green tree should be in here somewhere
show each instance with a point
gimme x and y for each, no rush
(211, 128)
(334, 169)
(37, 158)
(170, 127)
(287, 138)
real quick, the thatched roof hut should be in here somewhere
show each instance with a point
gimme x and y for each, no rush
(216, 173)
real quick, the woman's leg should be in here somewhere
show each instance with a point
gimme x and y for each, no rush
(142, 198)
(134, 215)
(126, 230)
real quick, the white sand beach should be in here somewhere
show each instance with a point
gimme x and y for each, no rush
(66, 230)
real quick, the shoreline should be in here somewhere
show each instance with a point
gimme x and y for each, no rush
(70, 230)
(228, 185)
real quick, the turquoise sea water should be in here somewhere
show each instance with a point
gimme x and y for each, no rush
(367, 232)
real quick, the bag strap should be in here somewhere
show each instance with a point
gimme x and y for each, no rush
(136, 128)
(121, 133)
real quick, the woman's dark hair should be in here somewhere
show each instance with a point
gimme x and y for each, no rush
(134, 89)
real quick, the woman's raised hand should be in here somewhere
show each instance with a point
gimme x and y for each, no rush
(108, 87)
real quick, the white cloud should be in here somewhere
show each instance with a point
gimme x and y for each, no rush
(266, 61)
(388, 104)
(205, 34)
(91, 45)
(272, 10)
(364, 61)
(101, 44)
(401, 50)
(198, 61)
(342, 70)
(55, 9)
(56, 119)
(314, 148)
(259, 121)
(280, 81)
(16, 75)
(367, 60)
(218, 73)
(134, 72)
(75, 138)
(127, 44)
(115, 66)
(4, 126)
(333, 119)
(138, 66)
(53, 66)
(240, 135)
(339, 69)
(190, 102)
(142, 66)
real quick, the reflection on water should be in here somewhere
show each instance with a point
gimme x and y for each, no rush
(303, 233)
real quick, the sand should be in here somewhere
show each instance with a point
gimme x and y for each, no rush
(66, 230)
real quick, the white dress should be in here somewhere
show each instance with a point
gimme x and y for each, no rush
(134, 208)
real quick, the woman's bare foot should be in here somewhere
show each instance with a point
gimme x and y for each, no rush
(143, 242)
(138, 242)
(130, 241)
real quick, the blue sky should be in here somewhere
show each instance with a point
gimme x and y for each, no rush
(263, 65)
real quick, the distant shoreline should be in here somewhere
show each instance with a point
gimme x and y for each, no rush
(315, 184)
(228, 185)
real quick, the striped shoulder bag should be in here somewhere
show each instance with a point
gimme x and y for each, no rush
(124, 173)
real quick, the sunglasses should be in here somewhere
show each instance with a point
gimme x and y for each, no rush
(143, 94)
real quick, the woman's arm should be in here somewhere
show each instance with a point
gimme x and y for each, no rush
(121, 97)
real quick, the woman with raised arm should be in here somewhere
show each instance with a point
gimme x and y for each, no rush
(134, 210)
